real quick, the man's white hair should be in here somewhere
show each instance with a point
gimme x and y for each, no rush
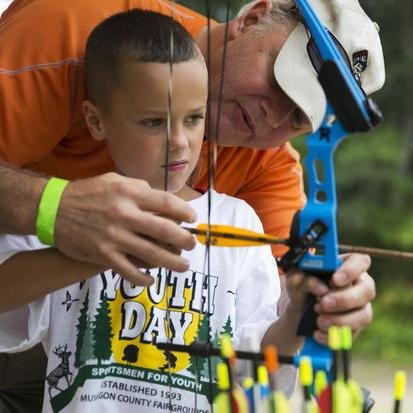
(283, 13)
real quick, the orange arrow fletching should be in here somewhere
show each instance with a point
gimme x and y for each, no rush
(228, 236)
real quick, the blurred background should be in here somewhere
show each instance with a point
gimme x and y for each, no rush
(374, 182)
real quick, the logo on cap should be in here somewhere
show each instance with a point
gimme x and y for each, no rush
(360, 59)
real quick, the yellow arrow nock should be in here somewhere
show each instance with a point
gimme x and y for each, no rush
(399, 385)
(305, 371)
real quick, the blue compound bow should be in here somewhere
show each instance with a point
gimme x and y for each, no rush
(349, 110)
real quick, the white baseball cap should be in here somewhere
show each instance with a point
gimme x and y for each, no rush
(357, 34)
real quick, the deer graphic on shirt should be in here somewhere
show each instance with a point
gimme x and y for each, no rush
(62, 370)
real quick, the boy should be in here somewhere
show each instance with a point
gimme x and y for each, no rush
(99, 330)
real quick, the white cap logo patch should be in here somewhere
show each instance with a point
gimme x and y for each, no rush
(360, 61)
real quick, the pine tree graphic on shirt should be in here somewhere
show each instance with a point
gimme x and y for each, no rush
(102, 332)
(227, 329)
(198, 365)
(215, 360)
(88, 340)
(82, 327)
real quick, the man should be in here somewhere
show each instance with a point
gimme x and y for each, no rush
(108, 218)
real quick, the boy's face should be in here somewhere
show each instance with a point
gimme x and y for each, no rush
(136, 123)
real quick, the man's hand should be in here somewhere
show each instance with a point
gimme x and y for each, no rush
(115, 221)
(346, 301)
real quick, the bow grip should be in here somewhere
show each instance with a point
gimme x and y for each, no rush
(308, 321)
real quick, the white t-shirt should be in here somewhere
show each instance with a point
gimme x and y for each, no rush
(99, 333)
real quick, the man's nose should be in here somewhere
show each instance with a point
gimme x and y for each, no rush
(278, 111)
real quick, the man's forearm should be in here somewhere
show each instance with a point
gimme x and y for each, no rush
(20, 194)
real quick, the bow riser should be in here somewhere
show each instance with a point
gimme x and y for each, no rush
(321, 197)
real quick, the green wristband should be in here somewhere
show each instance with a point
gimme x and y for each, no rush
(48, 206)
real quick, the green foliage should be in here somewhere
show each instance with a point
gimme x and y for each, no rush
(374, 209)
(374, 195)
(390, 338)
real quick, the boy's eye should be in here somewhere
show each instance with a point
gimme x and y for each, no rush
(152, 123)
(194, 119)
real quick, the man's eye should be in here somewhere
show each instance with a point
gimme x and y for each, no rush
(273, 83)
(152, 123)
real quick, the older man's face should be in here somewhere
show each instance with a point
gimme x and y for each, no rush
(255, 112)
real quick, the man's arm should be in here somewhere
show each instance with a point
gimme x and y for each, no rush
(109, 220)
(346, 302)
(20, 194)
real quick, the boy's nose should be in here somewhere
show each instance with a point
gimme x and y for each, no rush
(178, 139)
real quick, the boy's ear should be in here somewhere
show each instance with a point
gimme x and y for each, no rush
(249, 17)
(93, 120)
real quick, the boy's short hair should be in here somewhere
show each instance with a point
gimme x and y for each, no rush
(131, 36)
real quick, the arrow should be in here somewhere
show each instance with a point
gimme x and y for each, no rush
(229, 236)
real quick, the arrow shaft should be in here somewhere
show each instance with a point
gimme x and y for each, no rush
(377, 252)
(203, 350)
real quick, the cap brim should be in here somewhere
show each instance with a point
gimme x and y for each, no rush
(298, 79)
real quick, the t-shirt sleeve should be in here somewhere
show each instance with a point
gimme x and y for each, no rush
(275, 191)
(258, 287)
(256, 303)
(24, 327)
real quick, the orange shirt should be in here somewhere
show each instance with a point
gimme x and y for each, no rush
(42, 46)
(269, 180)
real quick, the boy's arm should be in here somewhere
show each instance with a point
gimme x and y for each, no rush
(282, 333)
(29, 275)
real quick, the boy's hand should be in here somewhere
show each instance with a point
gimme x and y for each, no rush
(347, 301)
(115, 221)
